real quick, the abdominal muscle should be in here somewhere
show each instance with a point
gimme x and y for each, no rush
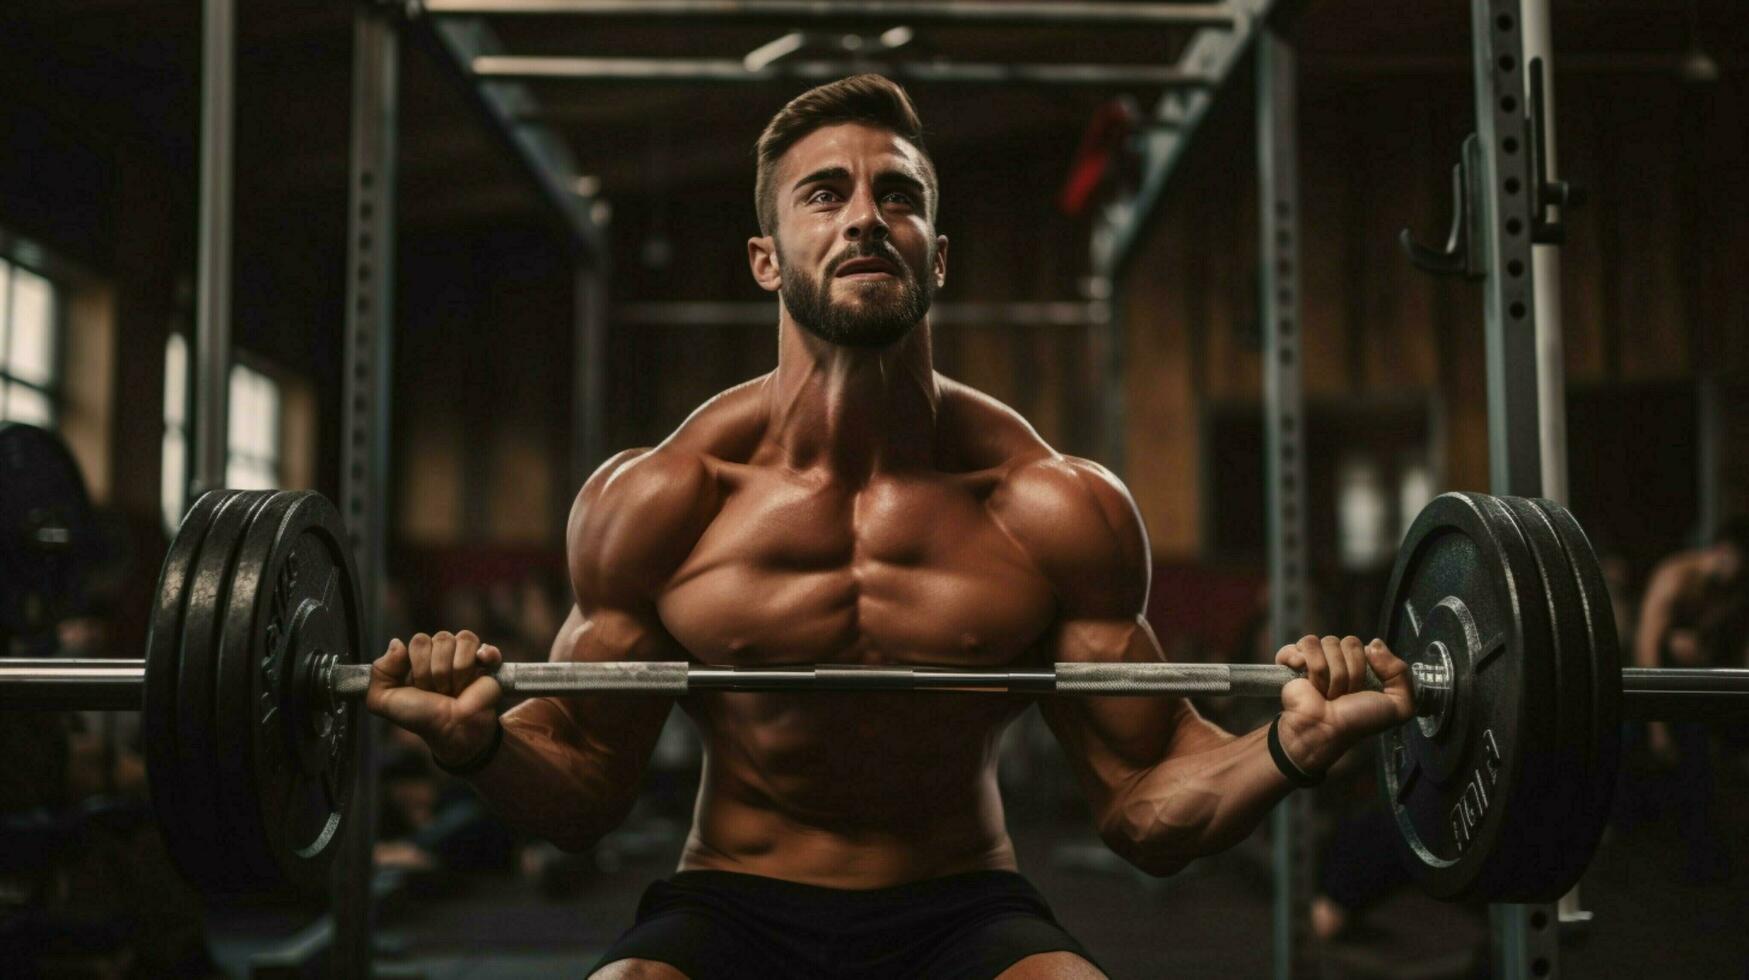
(851, 791)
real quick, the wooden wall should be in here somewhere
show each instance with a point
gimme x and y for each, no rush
(1648, 274)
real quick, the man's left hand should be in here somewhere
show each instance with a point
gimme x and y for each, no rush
(1330, 709)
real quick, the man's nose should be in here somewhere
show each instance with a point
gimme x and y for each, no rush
(866, 221)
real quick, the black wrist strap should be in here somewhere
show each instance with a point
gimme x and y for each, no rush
(481, 759)
(1295, 775)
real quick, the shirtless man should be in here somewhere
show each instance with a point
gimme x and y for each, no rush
(853, 506)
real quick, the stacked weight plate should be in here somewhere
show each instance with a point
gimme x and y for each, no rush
(250, 773)
(1505, 799)
(1588, 663)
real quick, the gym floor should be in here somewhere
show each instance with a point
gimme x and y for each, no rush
(1213, 919)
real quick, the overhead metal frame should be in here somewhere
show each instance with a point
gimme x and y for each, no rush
(1222, 32)
(1223, 29)
(1019, 13)
(1214, 52)
(735, 71)
(512, 112)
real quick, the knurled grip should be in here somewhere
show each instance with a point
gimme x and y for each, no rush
(565, 677)
(1239, 680)
(572, 677)
(1150, 678)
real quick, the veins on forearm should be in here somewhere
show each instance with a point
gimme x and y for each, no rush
(1192, 804)
(547, 784)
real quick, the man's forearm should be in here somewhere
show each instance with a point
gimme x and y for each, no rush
(1201, 803)
(543, 784)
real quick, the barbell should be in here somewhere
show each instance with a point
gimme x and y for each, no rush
(1500, 785)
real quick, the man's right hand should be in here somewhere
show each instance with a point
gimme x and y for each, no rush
(440, 689)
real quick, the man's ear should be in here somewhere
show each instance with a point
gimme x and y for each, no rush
(762, 259)
(940, 268)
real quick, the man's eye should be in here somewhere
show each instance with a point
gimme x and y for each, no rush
(820, 195)
(903, 197)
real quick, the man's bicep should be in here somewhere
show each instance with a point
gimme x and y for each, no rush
(1110, 738)
(619, 729)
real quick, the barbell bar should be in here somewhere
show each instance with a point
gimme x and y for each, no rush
(1648, 693)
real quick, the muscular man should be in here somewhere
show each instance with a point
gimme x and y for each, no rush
(1696, 614)
(853, 506)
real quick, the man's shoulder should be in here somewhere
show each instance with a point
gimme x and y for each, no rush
(1073, 517)
(635, 520)
(1066, 499)
(985, 433)
(681, 469)
(1031, 475)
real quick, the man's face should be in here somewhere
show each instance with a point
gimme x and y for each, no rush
(854, 255)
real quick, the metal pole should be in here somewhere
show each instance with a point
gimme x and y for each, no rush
(369, 336)
(1523, 361)
(589, 382)
(1709, 438)
(795, 12)
(1546, 276)
(1509, 291)
(734, 71)
(1107, 340)
(1284, 467)
(212, 342)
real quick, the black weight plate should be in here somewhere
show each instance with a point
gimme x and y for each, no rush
(206, 857)
(1604, 764)
(1462, 590)
(253, 874)
(163, 651)
(304, 754)
(1567, 816)
(1529, 862)
(46, 531)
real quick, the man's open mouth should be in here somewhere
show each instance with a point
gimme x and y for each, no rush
(865, 268)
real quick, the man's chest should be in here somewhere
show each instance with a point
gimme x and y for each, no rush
(900, 571)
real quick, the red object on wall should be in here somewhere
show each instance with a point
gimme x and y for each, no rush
(1101, 147)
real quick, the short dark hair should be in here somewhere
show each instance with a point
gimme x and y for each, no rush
(870, 99)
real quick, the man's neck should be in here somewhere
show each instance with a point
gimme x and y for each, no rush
(855, 411)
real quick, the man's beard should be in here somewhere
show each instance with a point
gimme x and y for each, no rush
(885, 314)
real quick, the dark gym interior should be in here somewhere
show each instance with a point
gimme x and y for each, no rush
(556, 271)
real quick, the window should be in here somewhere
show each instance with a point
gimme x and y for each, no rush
(173, 489)
(252, 445)
(1415, 490)
(1362, 514)
(29, 307)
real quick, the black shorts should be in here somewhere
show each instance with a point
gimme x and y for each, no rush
(719, 924)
